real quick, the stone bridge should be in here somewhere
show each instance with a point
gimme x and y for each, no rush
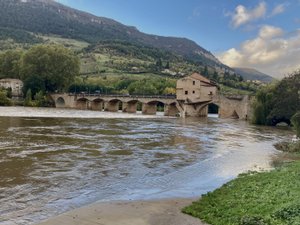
(113, 103)
(229, 106)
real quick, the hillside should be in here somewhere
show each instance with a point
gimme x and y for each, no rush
(48, 17)
(107, 48)
(252, 74)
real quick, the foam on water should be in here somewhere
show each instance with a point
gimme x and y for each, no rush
(68, 113)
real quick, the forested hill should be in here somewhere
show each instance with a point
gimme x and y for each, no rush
(49, 17)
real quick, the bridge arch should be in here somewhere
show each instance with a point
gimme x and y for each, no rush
(152, 107)
(82, 103)
(97, 104)
(132, 106)
(171, 109)
(60, 102)
(113, 105)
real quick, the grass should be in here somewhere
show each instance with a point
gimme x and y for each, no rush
(267, 198)
(73, 44)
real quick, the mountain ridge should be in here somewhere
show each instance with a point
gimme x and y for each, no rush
(49, 17)
(253, 74)
(72, 23)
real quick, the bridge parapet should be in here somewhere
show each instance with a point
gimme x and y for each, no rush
(124, 96)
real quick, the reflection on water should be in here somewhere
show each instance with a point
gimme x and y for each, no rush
(50, 165)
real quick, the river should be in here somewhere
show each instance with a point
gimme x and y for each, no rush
(55, 160)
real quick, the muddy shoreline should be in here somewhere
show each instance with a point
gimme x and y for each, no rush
(155, 212)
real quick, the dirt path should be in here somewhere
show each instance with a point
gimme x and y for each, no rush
(161, 212)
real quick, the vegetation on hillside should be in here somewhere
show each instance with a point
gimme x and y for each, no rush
(49, 17)
(107, 47)
(278, 102)
(145, 84)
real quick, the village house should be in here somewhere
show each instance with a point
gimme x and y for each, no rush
(195, 88)
(15, 85)
(194, 93)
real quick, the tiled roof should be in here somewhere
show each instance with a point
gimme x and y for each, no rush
(197, 76)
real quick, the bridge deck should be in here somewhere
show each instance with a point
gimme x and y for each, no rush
(124, 96)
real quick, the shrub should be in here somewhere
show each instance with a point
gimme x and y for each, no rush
(253, 220)
(296, 122)
(4, 100)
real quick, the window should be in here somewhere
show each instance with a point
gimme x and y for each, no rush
(194, 82)
(186, 92)
(193, 92)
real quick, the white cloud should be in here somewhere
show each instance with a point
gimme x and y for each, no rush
(278, 9)
(268, 32)
(271, 52)
(242, 15)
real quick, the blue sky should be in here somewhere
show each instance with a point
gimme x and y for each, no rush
(260, 34)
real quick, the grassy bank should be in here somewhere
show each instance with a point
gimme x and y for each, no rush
(268, 198)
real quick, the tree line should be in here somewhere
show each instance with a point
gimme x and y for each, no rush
(42, 68)
(279, 102)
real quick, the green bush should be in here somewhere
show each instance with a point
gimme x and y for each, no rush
(4, 100)
(296, 122)
(288, 213)
(278, 102)
(253, 220)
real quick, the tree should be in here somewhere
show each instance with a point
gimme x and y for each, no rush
(10, 64)
(278, 103)
(286, 99)
(28, 98)
(296, 122)
(54, 66)
(167, 65)
(34, 83)
(205, 71)
(159, 64)
(4, 100)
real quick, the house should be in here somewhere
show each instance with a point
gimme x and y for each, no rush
(15, 85)
(195, 88)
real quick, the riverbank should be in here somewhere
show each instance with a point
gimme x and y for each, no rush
(268, 198)
(159, 212)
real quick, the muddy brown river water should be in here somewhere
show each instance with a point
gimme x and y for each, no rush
(55, 160)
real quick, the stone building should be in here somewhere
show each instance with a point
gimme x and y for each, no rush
(193, 94)
(195, 88)
(14, 84)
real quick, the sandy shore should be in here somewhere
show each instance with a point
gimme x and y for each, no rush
(160, 212)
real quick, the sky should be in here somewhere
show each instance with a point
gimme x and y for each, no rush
(264, 35)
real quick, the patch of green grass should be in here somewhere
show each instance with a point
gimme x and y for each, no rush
(73, 44)
(267, 198)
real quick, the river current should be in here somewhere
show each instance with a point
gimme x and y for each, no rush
(55, 160)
